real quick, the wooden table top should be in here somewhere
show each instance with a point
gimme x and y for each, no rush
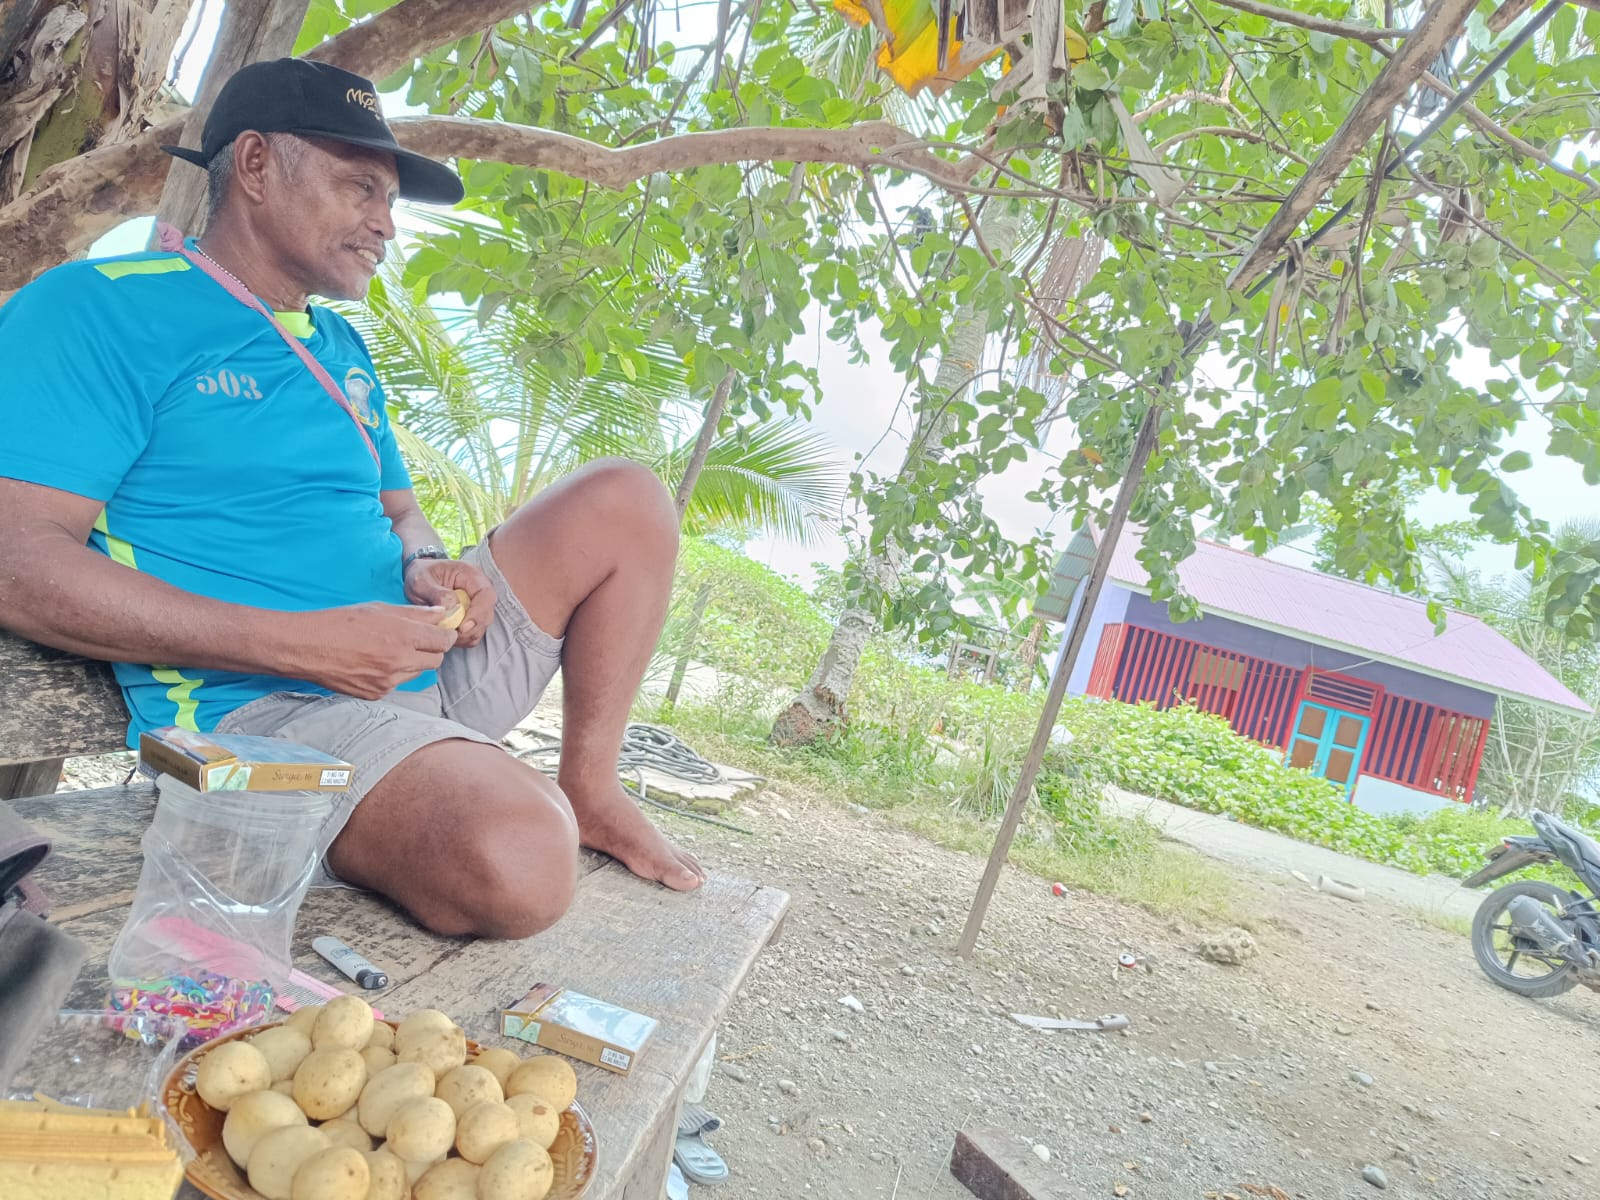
(680, 958)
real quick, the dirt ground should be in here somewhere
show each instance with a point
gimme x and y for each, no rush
(1359, 1036)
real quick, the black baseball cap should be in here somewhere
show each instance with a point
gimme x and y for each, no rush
(315, 99)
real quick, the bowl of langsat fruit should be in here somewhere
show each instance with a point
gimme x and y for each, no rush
(336, 1104)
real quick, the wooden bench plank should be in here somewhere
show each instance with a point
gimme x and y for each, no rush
(54, 704)
(94, 837)
(30, 778)
(678, 957)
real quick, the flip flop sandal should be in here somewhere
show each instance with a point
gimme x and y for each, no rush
(698, 1161)
(677, 1185)
(692, 1118)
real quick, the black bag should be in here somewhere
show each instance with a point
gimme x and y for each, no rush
(38, 962)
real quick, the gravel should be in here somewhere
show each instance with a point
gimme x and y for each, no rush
(1226, 1076)
(1229, 1078)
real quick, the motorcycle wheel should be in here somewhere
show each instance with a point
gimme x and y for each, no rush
(1499, 953)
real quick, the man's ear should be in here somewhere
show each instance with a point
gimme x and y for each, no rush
(251, 165)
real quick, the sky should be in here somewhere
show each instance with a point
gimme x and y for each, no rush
(862, 413)
(861, 402)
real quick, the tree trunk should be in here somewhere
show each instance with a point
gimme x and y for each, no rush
(702, 443)
(691, 638)
(36, 36)
(820, 706)
(81, 78)
(1028, 654)
(251, 30)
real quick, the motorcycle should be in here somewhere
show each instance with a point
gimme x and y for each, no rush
(1551, 933)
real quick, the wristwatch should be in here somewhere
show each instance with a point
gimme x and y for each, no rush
(422, 552)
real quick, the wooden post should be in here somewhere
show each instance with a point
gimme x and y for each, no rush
(987, 1162)
(251, 30)
(1142, 446)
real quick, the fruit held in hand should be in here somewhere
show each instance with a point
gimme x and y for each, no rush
(453, 621)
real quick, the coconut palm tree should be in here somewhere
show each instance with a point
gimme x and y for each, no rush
(485, 426)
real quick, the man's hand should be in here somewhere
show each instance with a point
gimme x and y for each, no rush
(368, 650)
(433, 581)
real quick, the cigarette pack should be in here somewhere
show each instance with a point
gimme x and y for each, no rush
(579, 1026)
(214, 762)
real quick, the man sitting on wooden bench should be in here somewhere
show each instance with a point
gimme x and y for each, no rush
(180, 488)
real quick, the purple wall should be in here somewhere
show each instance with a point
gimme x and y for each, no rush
(1291, 652)
(1111, 610)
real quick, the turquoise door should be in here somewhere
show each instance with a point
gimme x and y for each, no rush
(1328, 742)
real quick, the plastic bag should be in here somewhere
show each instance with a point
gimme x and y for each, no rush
(208, 939)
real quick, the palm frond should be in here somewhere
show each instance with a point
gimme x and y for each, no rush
(777, 476)
(485, 424)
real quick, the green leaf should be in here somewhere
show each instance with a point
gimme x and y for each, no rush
(1090, 77)
(1483, 252)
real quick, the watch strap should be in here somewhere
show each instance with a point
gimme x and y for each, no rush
(422, 552)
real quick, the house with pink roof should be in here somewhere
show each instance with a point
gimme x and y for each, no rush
(1350, 682)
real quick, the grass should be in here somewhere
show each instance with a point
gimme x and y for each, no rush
(1163, 879)
(1447, 922)
(1072, 842)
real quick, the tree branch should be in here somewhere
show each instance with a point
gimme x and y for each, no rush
(1475, 116)
(74, 202)
(1501, 18)
(1441, 22)
(1222, 98)
(395, 37)
(874, 145)
(1248, 135)
(1284, 16)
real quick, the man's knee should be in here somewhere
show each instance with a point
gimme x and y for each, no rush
(516, 882)
(628, 497)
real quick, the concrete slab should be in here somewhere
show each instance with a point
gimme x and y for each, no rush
(1274, 854)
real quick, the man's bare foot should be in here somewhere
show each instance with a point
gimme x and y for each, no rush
(613, 824)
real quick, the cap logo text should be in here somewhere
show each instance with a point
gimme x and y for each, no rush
(366, 100)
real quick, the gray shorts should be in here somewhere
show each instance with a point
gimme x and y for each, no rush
(482, 693)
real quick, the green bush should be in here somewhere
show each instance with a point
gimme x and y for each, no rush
(916, 737)
(963, 741)
(757, 626)
(1193, 758)
(1456, 841)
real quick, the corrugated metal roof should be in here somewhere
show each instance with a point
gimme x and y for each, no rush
(1350, 616)
(1072, 565)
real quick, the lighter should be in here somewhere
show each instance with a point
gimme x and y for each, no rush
(350, 964)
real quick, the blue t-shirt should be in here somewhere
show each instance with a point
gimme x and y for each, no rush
(224, 467)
